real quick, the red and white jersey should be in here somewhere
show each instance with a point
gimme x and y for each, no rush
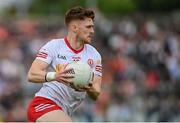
(56, 53)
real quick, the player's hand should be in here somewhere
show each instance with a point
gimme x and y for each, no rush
(83, 88)
(64, 76)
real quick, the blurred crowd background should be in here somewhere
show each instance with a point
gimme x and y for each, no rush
(139, 42)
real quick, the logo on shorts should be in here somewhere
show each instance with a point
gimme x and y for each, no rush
(42, 107)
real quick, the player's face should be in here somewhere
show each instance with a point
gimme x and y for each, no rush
(86, 30)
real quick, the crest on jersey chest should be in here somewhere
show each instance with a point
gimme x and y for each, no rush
(90, 62)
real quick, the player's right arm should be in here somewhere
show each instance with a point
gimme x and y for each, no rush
(38, 71)
(38, 74)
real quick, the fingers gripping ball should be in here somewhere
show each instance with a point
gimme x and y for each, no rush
(82, 73)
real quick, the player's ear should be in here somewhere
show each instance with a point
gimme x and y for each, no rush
(74, 27)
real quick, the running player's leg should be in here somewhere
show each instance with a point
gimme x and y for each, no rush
(43, 109)
(54, 116)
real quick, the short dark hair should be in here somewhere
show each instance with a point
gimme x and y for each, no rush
(78, 13)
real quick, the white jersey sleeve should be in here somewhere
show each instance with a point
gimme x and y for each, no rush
(97, 69)
(46, 52)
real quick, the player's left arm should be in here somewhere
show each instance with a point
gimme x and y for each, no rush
(94, 88)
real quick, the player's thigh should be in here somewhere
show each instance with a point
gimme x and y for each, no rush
(54, 116)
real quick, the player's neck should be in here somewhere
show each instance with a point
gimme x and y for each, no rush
(74, 42)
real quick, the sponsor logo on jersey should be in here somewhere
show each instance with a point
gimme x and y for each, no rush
(58, 67)
(62, 57)
(76, 58)
(98, 61)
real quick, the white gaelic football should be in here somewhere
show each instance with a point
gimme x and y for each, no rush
(82, 73)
